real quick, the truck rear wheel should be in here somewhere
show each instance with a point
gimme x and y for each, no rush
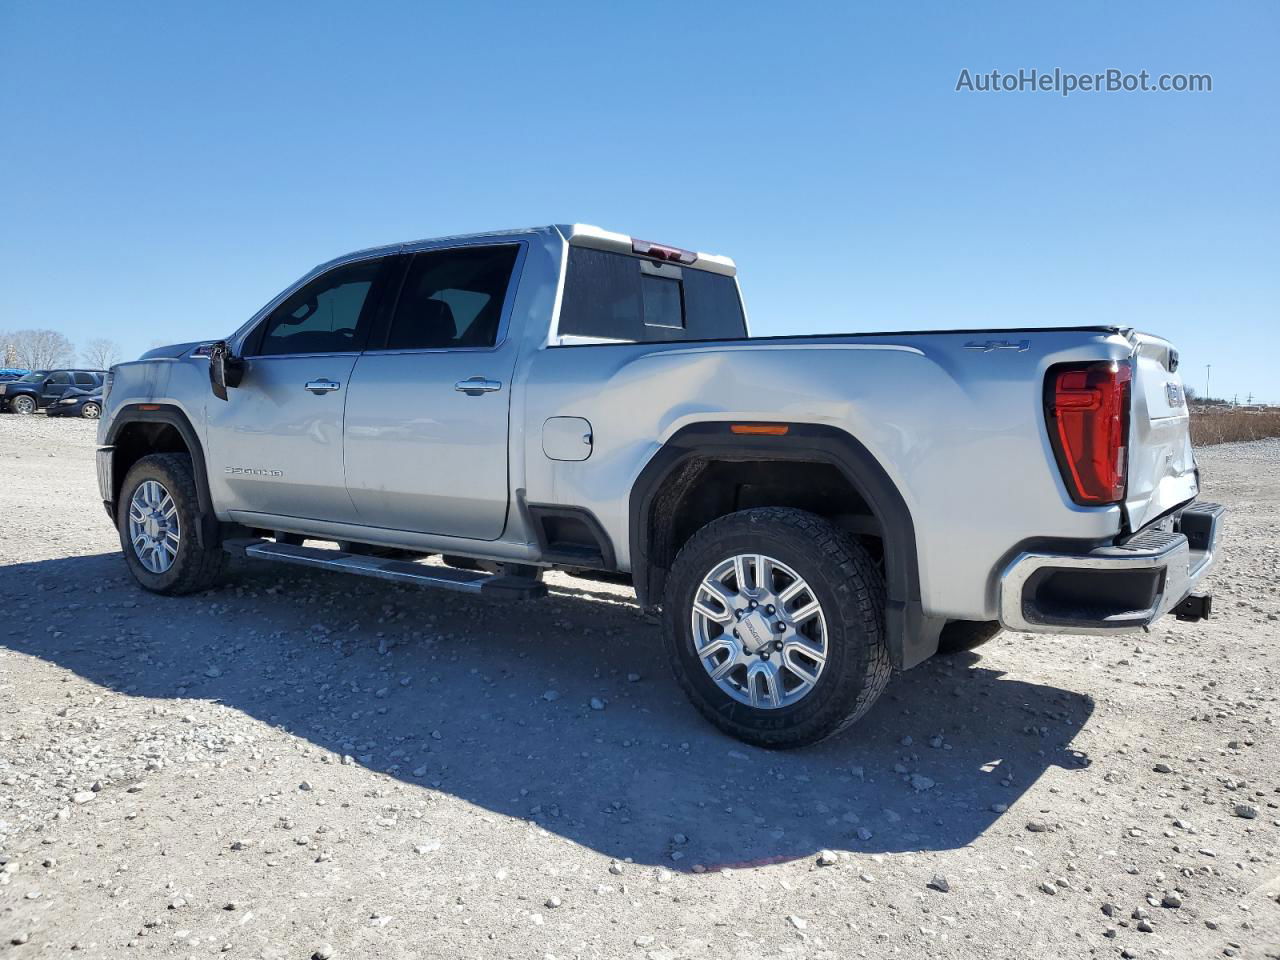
(774, 622)
(157, 517)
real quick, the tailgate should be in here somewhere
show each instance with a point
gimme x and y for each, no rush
(1162, 467)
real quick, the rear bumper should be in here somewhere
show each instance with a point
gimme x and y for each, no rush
(1116, 588)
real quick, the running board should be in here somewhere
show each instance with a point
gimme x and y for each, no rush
(400, 571)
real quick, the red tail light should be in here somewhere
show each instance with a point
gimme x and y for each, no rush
(1087, 408)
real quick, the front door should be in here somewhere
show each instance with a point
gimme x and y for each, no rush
(426, 418)
(275, 444)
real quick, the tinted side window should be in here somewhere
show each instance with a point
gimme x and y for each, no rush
(323, 316)
(621, 297)
(452, 298)
(86, 380)
(60, 379)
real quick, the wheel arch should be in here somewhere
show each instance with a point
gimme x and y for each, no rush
(141, 429)
(675, 471)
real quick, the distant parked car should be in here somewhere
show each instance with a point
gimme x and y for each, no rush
(37, 390)
(77, 402)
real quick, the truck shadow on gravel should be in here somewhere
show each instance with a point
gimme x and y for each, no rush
(492, 703)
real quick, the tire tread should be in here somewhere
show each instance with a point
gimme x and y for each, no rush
(198, 566)
(848, 564)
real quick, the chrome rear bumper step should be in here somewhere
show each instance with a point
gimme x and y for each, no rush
(1117, 588)
(476, 582)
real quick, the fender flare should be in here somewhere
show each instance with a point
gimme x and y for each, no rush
(912, 636)
(207, 532)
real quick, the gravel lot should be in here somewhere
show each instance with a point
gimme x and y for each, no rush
(301, 764)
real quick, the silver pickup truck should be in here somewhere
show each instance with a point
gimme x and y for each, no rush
(809, 512)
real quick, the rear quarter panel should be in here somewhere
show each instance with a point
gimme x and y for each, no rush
(960, 431)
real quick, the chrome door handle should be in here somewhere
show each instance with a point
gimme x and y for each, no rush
(322, 386)
(476, 386)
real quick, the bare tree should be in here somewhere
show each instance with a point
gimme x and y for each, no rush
(101, 353)
(8, 352)
(41, 349)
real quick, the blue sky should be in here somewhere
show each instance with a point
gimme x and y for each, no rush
(168, 168)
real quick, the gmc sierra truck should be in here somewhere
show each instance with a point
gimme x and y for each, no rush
(809, 513)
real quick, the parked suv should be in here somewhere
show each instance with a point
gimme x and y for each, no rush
(38, 390)
(810, 513)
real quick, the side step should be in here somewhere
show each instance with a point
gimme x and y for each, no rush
(503, 586)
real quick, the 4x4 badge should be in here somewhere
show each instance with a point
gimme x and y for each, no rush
(986, 346)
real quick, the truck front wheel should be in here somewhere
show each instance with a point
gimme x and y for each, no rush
(774, 622)
(157, 516)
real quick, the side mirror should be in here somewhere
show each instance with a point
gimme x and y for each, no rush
(225, 370)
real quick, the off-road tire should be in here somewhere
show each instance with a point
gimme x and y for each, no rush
(196, 567)
(961, 635)
(23, 405)
(847, 583)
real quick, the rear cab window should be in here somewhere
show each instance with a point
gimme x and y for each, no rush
(618, 297)
(453, 299)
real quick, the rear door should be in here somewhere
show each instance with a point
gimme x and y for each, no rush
(1162, 466)
(55, 385)
(426, 421)
(275, 444)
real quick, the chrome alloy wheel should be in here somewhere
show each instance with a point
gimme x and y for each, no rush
(154, 529)
(759, 631)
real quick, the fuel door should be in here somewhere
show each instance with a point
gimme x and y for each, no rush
(566, 438)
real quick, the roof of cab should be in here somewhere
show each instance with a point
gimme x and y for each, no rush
(577, 234)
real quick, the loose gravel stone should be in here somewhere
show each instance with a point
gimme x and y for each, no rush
(420, 716)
